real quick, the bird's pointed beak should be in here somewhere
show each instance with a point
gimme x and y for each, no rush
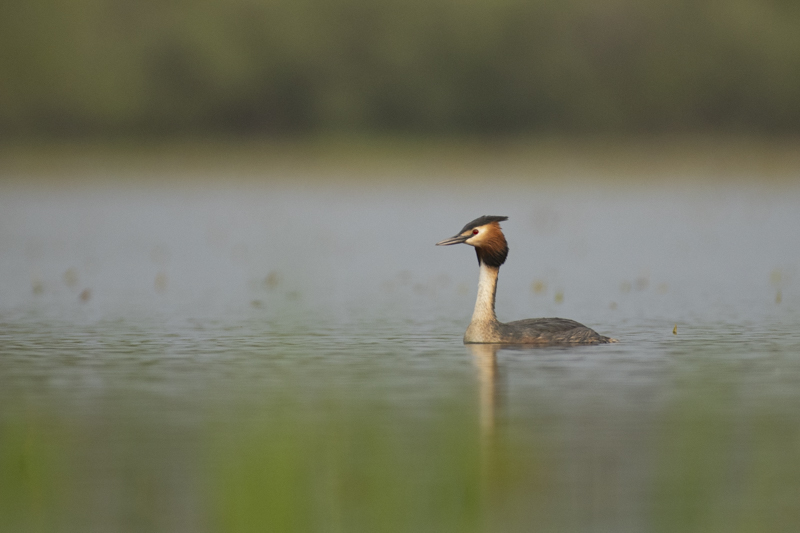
(458, 239)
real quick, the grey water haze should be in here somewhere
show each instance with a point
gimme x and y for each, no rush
(284, 353)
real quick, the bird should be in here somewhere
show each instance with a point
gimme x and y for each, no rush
(486, 236)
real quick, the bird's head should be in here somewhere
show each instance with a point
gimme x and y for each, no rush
(485, 235)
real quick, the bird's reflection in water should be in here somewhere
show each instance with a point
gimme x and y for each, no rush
(484, 356)
(490, 380)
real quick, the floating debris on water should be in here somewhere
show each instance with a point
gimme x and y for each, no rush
(643, 281)
(86, 295)
(160, 283)
(442, 280)
(272, 280)
(71, 277)
(388, 286)
(404, 276)
(240, 253)
(37, 286)
(778, 297)
(293, 295)
(559, 297)
(675, 330)
(160, 255)
(538, 286)
(257, 304)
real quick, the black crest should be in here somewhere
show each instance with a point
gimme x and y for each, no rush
(482, 221)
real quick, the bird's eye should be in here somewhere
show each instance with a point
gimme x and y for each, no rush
(474, 232)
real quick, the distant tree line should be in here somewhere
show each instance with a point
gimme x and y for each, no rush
(89, 67)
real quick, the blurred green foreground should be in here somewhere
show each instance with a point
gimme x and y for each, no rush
(335, 464)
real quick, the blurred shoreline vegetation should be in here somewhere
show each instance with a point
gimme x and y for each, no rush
(101, 68)
(622, 161)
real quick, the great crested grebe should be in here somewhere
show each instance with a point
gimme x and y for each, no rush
(485, 235)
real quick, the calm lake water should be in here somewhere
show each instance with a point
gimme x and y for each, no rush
(285, 355)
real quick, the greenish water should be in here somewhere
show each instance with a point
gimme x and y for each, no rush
(264, 357)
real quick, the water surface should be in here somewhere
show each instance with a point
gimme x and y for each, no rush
(274, 354)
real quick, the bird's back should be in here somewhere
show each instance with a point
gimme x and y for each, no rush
(549, 331)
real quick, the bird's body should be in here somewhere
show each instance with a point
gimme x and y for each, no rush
(533, 331)
(485, 235)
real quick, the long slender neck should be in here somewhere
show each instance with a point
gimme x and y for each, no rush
(487, 286)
